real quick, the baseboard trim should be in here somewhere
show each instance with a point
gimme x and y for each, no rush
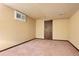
(59, 40)
(43, 39)
(73, 45)
(37, 38)
(16, 45)
(62, 40)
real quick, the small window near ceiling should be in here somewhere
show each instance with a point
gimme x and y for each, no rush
(20, 16)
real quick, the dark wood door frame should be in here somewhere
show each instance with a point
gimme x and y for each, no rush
(48, 29)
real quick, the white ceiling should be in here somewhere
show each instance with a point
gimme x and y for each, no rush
(46, 10)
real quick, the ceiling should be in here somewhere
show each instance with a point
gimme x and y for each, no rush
(46, 10)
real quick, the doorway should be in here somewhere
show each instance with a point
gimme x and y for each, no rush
(48, 29)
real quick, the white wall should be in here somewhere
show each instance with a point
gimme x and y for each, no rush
(74, 29)
(60, 29)
(39, 28)
(13, 32)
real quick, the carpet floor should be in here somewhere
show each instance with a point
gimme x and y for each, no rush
(39, 47)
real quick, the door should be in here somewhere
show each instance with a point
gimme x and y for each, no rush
(48, 29)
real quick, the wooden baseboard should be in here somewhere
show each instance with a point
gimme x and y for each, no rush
(16, 45)
(33, 39)
(59, 40)
(69, 42)
(39, 38)
(62, 40)
(73, 45)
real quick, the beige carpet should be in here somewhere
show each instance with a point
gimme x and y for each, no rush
(39, 47)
